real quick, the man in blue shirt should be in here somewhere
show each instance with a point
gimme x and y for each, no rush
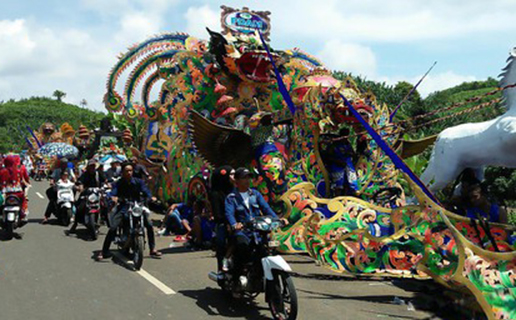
(130, 189)
(242, 205)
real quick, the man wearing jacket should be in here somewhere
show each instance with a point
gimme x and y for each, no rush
(242, 205)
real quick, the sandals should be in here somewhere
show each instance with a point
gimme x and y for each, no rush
(156, 254)
(102, 256)
(180, 239)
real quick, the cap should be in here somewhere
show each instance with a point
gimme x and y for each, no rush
(92, 162)
(241, 173)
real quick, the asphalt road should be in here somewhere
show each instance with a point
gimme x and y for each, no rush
(48, 275)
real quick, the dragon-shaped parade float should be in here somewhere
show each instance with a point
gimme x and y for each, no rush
(235, 100)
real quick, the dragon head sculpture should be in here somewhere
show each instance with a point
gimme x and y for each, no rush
(242, 55)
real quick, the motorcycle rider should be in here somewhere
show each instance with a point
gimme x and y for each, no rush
(51, 191)
(221, 185)
(128, 188)
(242, 205)
(14, 180)
(140, 172)
(114, 172)
(91, 178)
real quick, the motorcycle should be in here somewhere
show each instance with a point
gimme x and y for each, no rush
(130, 236)
(11, 212)
(264, 272)
(41, 173)
(65, 205)
(95, 204)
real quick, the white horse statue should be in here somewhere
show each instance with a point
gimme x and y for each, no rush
(477, 145)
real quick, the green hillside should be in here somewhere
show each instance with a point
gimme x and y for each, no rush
(15, 116)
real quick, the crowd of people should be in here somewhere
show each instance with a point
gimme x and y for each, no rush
(216, 223)
(213, 222)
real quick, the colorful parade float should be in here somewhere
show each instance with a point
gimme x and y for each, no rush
(105, 143)
(234, 100)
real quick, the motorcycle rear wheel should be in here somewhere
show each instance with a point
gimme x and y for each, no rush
(138, 252)
(92, 226)
(9, 230)
(283, 302)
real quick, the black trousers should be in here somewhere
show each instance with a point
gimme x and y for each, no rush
(80, 213)
(52, 199)
(116, 219)
(242, 250)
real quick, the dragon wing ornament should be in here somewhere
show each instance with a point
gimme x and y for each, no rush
(220, 145)
(411, 148)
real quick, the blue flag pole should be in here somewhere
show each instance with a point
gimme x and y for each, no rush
(34, 136)
(26, 139)
(281, 85)
(398, 162)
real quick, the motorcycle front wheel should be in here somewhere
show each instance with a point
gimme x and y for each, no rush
(283, 301)
(66, 217)
(138, 252)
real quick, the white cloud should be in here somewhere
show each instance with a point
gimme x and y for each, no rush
(136, 26)
(198, 18)
(17, 46)
(392, 21)
(348, 57)
(36, 58)
(36, 61)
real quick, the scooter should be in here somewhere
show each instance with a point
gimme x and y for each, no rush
(65, 205)
(264, 272)
(11, 213)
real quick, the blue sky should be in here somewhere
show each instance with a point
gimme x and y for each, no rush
(71, 45)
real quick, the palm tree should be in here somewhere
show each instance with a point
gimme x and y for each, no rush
(59, 95)
(83, 103)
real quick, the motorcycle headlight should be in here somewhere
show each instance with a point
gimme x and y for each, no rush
(93, 198)
(263, 226)
(137, 212)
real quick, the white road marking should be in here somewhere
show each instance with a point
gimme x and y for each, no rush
(147, 276)
(39, 195)
(158, 284)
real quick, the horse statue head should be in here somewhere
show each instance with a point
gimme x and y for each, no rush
(508, 77)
